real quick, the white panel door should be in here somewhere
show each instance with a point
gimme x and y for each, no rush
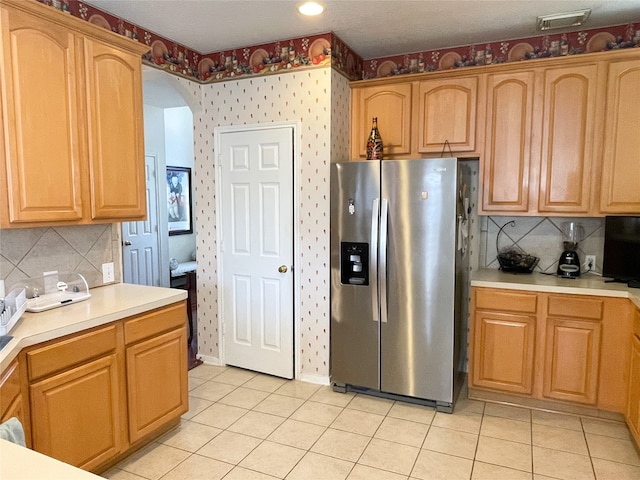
(256, 170)
(140, 249)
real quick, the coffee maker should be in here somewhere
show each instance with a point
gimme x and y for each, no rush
(569, 262)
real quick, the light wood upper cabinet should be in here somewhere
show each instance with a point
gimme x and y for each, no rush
(116, 132)
(416, 118)
(568, 133)
(620, 188)
(447, 113)
(72, 116)
(392, 105)
(508, 135)
(42, 158)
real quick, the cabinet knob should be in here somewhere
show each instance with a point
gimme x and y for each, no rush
(126, 243)
(282, 269)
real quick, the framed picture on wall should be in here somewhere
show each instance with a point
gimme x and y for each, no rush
(179, 200)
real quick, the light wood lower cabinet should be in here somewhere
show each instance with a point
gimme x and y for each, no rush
(551, 347)
(571, 360)
(11, 397)
(633, 402)
(158, 363)
(505, 359)
(77, 415)
(95, 395)
(75, 390)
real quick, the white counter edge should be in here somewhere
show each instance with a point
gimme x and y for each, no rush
(585, 285)
(26, 464)
(107, 304)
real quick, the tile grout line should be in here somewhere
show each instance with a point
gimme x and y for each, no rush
(346, 407)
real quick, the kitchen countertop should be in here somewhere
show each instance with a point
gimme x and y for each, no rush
(588, 284)
(27, 464)
(107, 304)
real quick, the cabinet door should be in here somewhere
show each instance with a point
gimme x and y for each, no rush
(507, 147)
(10, 397)
(568, 132)
(391, 104)
(41, 118)
(447, 113)
(157, 382)
(620, 188)
(572, 360)
(76, 415)
(116, 151)
(633, 405)
(503, 351)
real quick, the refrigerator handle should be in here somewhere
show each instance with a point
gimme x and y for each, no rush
(373, 266)
(384, 222)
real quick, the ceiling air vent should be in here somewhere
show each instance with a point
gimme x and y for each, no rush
(562, 20)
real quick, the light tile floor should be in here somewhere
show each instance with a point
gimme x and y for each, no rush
(245, 426)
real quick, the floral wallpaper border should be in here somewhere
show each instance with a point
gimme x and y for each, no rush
(267, 59)
(557, 45)
(329, 50)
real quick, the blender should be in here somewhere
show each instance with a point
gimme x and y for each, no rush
(569, 262)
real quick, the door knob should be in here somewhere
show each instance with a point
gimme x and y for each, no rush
(126, 243)
(282, 269)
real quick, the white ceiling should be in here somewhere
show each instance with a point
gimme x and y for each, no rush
(372, 28)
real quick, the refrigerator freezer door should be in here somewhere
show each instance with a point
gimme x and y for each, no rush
(417, 339)
(355, 190)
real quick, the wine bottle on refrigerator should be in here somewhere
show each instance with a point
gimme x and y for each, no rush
(374, 142)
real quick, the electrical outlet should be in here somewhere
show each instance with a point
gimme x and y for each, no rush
(590, 261)
(108, 275)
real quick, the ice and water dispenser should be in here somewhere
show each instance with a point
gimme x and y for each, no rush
(354, 263)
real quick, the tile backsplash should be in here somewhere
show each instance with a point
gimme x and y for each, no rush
(28, 252)
(539, 236)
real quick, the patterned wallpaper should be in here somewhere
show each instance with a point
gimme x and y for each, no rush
(319, 100)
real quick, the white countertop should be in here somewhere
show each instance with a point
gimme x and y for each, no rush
(588, 284)
(26, 464)
(107, 304)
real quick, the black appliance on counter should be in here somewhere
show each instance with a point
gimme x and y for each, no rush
(622, 250)
(569, 262)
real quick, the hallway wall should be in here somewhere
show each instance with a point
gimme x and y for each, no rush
(319, 100)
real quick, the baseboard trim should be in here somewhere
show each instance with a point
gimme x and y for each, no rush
(314, 378)
(209, 360)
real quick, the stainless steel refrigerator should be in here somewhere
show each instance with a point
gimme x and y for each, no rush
(399, 277)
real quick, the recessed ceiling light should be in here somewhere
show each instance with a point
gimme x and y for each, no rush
(561, 20)
(310, 9)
